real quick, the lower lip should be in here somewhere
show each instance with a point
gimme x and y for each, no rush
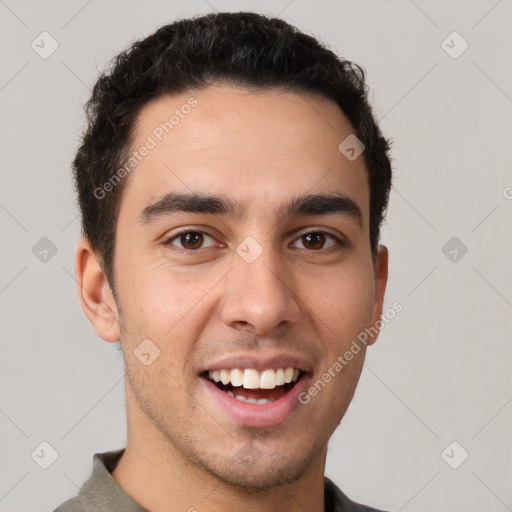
(254, 415)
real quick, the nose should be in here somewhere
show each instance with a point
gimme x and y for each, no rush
(259, 296)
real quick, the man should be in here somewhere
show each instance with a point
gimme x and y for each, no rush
(232, 182)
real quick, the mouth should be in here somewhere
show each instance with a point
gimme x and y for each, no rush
(256, 387)
(255, 398)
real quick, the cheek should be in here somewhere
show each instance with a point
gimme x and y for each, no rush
(344, 302)
(164, 305)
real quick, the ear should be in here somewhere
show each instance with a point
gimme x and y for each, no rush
(95, 294)
(381, 279)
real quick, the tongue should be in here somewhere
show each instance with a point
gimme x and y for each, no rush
(275, 393)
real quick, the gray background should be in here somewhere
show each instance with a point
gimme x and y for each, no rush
(440, 372)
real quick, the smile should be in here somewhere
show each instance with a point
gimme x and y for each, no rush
(258, 387)
(255, 398)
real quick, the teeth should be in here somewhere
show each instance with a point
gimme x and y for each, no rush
(250, 378)
(224, 376)
(255, 401)
(262, 401)
(268, 379)
(237, 377)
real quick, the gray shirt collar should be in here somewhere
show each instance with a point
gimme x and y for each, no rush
(100, 493)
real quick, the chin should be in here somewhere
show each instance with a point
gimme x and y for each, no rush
(251, 470)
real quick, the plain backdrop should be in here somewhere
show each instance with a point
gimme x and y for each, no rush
(436, 386)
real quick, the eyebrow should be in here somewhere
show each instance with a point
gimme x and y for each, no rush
(308, 204)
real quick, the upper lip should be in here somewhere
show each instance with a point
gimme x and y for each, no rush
(259, 362)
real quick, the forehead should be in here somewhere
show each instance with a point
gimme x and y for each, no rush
(260, 147)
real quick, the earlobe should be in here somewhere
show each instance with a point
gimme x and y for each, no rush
(94, 292)
(381, 279)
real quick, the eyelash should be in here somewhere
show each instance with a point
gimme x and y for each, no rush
(167, 242)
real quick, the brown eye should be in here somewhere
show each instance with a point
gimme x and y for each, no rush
(189, 240)
(315, 240)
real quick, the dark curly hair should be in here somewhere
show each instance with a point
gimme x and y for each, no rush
(244, 49)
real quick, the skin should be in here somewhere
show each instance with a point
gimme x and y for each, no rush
(263, 148)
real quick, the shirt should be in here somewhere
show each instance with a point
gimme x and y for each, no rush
(100, 493)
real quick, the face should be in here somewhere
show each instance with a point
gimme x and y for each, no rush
(244, 283)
